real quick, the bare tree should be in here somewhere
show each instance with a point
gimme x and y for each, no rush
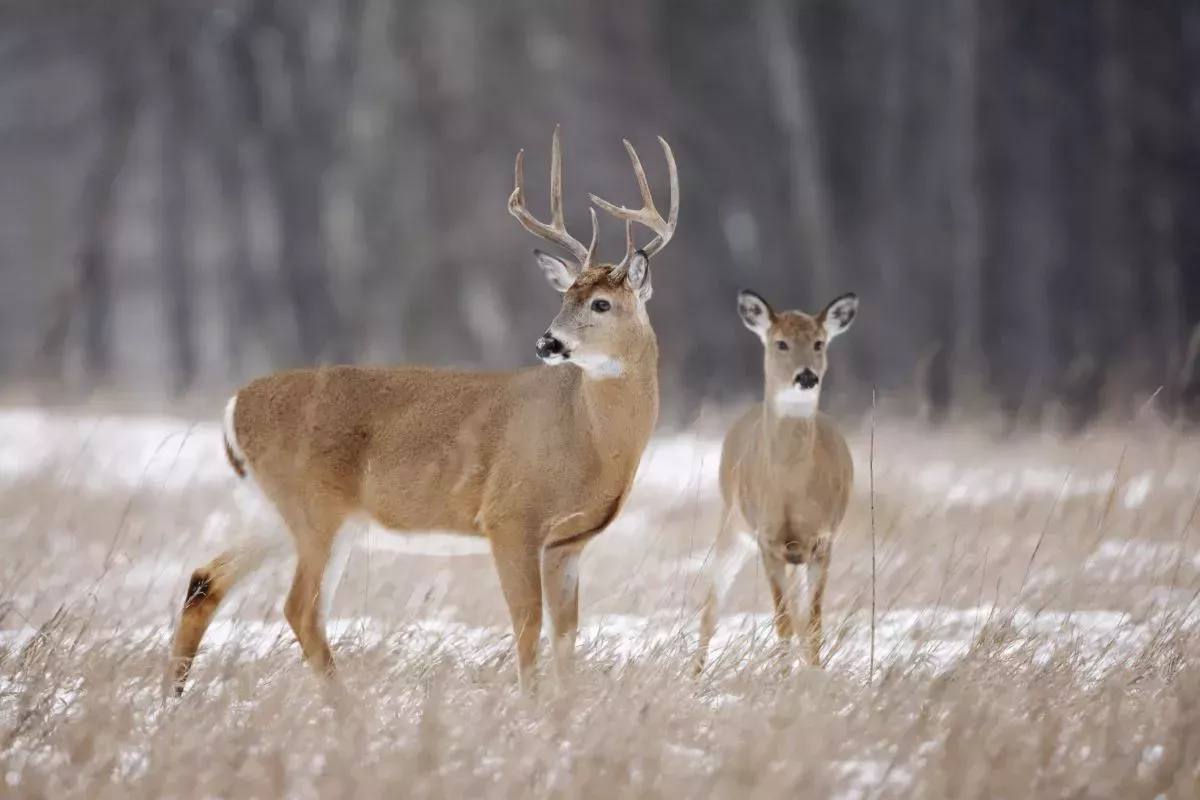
(962, 40)
(1110, 254)
(173, 25)
(1007, 184)
(793, 106)
(225, 86)
(304, 99)
(883, 230)
(117, 99)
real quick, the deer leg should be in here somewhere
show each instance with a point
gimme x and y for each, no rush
(339, 558)
(208, 587)
(728, 557)
(315, 536)
(521, 581)
(818, 576)
(302, 611)
(560, 583)
(776, 571)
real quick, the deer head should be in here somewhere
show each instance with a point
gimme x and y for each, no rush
(795, 349)
(603, 315)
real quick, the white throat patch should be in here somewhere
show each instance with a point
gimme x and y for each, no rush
(796, 402)
(599, 367)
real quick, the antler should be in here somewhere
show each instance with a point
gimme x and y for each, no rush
(556, 231)
(647, 215)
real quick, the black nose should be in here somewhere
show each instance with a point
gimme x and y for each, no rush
(807, 379)
(548, 346)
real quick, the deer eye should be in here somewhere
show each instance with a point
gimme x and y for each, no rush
(600, 306)
(781, 345)
(818, 345)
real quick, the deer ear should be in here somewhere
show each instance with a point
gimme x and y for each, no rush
(637, 275)
(756, 313)
(557, 272)
(838, 315)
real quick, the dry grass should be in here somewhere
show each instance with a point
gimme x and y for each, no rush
(1036, 638)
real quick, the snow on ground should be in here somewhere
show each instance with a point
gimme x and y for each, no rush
(868, 777)
(113, 453)
(116, 452)
(108, 452)
(982, 485)
(933, 638)
(428, 611)
(119, 452)
(1126, 559)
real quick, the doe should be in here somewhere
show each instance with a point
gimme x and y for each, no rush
(786, 472)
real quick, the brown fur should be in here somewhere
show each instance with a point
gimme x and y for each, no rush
(786, 478)
(536, 460)
(199, 605)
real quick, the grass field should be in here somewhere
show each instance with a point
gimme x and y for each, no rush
(1035, 635)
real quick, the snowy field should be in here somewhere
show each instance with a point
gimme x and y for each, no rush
(1035, 634)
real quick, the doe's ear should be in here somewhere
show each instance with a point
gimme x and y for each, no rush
(637, 275)
(557, 272)
(838, 315)
(755, 312)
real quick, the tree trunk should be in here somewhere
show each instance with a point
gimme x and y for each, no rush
(301, 146)
(1111, 239)
(962, 37)
(793, 107)
(891, 367)
(118, 109)
(174, 222)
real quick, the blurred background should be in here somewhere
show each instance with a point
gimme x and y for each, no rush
(195, 192)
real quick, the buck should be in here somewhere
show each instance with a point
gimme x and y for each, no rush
(785, 473)
(538, 461)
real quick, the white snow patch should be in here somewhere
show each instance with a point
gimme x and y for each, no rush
(121, 452)
(979, 486)
(103, 452)
(434, 543)
(868, 777)
(1131, 560)
(1137, 491)
(681, 463)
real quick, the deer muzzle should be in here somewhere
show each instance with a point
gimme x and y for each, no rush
(807, 379)
(551, 349)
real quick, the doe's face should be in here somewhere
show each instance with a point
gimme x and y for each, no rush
(603, 315)
(795, 348)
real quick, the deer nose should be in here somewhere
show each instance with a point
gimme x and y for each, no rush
(807, 379)
(793, 553)
(549, 346)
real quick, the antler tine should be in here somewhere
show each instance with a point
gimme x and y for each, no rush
(556, 212)
(517, 198)
(673, 176)
(648, 215)
(556, 231)
(640, 174)
(591, 252)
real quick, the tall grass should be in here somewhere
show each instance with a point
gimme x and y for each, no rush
(1033, 610)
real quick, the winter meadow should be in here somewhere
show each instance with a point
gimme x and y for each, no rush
(199, 193)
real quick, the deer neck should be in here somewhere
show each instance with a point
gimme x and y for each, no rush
(789, 431)
(621, 407)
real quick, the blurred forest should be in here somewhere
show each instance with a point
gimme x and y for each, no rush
(198, 191)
